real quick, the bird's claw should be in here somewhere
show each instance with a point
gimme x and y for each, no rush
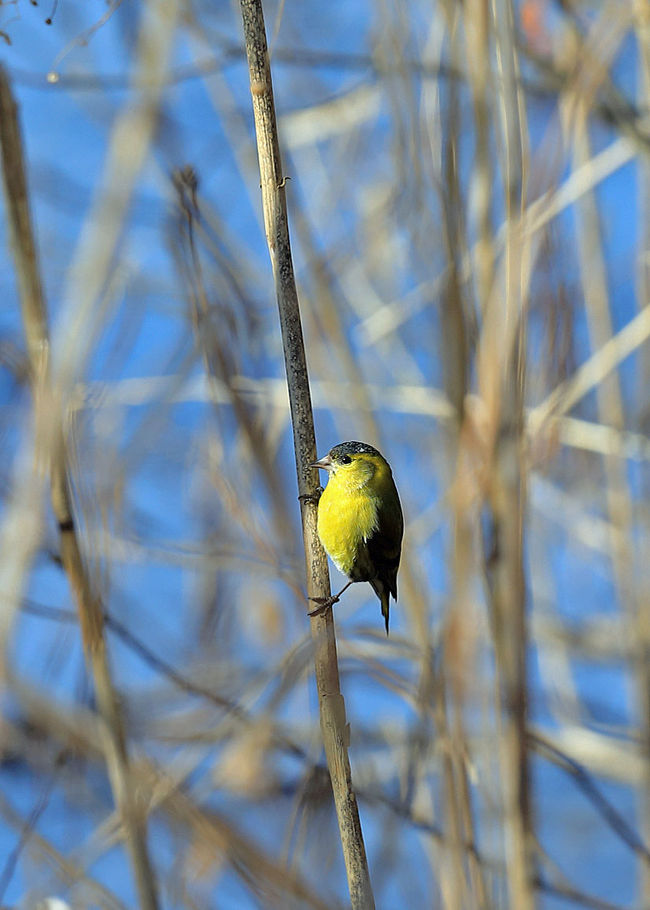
(323, 604)
(311, 497)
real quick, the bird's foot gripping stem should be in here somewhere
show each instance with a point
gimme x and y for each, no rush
(323, 604)
(311, 497)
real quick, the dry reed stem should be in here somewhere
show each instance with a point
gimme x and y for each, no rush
(168, 792)
(216, 356)
(332, 706)
(594, 370)
(635, 607)
(642, 29)
(501, 383)
(455, 352)
(53, 452)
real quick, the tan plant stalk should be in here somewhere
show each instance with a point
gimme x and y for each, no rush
(50, 442)
(332, 707)
(506, 494)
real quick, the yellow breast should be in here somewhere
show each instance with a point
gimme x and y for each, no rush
(346, 519)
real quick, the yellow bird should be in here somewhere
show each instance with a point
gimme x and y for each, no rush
(360, 521)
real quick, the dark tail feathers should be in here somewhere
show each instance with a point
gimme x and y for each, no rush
(383, 592)
(385, 606)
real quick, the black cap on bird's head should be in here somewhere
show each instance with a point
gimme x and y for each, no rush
(353, 448)
(341, 454)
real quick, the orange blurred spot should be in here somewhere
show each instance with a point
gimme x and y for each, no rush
(533, 25)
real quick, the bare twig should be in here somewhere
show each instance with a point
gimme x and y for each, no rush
(332, 705)
(585, 782)
(566, 893)
(275, 885)
(231, 708)
(28, 828)
(96, 894)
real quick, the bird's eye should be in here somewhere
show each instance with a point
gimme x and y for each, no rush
(345, 459)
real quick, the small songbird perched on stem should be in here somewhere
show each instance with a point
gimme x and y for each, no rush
(360, 521)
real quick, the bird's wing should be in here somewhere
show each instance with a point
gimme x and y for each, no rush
(385, 544)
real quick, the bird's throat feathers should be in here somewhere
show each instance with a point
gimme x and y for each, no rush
(367, 472)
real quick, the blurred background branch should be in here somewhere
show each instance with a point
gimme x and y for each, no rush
(50, 452)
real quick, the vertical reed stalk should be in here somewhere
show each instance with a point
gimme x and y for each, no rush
(611, 412)
(507, 484)
(332, 707)
(50, 443)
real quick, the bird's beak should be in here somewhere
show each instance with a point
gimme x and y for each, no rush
(324, 464)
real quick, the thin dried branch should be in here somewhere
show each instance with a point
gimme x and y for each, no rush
(94, 892)
(566, 893)
(634, 605)
(332, 706)
(232, 709)
(502, 385)
(272, 884)
(88, 604)
(7, 872)
(595, 369)
(585, 782)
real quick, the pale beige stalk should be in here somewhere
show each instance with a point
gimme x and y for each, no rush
(332, 706)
